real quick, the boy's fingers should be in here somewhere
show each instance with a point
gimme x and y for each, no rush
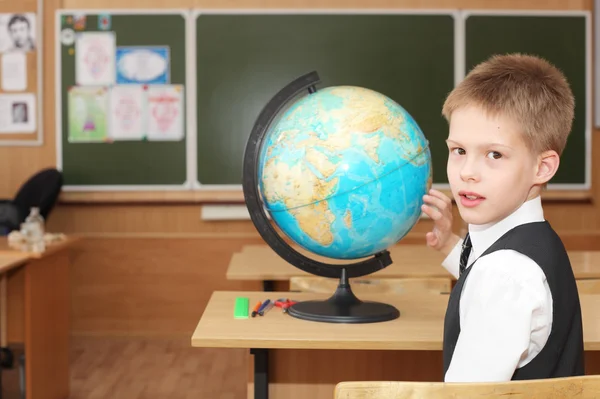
(440, 195)
(431, 239)
(432, 212)
(435, 201)
(426, 210)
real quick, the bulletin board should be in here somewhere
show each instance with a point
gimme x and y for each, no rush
(21, 73)
(121, 87)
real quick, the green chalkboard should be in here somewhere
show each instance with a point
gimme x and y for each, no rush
(123, 163)
(561, 38)
(242, 60)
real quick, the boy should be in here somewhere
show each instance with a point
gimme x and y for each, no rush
(514, 312)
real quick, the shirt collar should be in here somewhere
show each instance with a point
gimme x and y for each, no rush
(484, 235)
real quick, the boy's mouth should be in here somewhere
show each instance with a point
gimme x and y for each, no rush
(470, 195)
(470, 199)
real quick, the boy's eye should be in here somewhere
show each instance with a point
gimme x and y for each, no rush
(494, 155)
(458, 151)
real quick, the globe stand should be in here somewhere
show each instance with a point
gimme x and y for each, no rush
(343, 306)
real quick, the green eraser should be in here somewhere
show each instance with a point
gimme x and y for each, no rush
(240, 311)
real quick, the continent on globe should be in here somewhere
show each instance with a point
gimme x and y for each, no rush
(342, 172)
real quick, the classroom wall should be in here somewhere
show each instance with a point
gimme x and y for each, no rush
(169, 261)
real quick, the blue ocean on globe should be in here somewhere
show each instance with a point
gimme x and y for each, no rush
(342, 172)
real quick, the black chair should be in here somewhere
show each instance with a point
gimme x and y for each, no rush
(41, 191)
(11, 217)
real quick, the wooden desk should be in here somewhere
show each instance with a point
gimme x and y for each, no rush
(38, 316)
(260, 262)
(11, 260)
(310, 358)
(6, 250)
(8, 262)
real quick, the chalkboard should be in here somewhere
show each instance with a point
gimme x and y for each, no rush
(146, 161)
(244, 59)
(563, 38)
(229, 64)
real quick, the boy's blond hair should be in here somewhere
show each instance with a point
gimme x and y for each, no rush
(527, 89)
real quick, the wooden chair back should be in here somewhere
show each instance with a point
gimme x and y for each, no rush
(435, 285)
(584, 387)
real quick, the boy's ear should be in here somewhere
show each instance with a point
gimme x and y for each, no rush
(547, 166)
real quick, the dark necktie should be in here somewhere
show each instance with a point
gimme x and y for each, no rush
(464, 254)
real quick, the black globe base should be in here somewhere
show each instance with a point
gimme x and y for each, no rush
(343, 307)
(331, 312)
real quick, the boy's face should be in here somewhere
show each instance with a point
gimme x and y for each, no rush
(490, 169)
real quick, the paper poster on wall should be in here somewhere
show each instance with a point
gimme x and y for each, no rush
(104, 21)
(149, 65)
(13, 69)
(95, 58)
(17, 113)
(127, 112)
(165, 112)
(88, 107)
(79, 21)
(17, 32)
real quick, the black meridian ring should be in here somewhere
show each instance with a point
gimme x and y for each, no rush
(257, 213)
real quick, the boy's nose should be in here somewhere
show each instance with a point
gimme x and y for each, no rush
(469, 172)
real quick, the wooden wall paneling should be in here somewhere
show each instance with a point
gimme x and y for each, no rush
(241, 4)
(148, 286)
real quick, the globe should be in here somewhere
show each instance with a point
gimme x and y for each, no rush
(342, 172)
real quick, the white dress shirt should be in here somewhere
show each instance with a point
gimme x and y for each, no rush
(505, 306)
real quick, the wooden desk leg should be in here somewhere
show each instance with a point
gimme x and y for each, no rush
(261, 373)
(47, 306)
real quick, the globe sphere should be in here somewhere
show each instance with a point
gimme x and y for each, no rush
(342, 172)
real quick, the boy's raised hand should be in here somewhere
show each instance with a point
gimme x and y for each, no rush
(439, 208)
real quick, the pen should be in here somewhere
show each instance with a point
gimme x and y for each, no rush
(256, 308)
(263, 306)
(266, 309)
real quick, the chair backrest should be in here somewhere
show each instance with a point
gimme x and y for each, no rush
(585, 387)
(40, 190)
(361, 285)
(11, 217)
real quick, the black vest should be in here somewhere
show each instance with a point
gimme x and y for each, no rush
(562, 356)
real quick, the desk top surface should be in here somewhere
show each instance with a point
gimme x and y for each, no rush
(6, 250)
(419, 327)
(260, 262)
(10, 261)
